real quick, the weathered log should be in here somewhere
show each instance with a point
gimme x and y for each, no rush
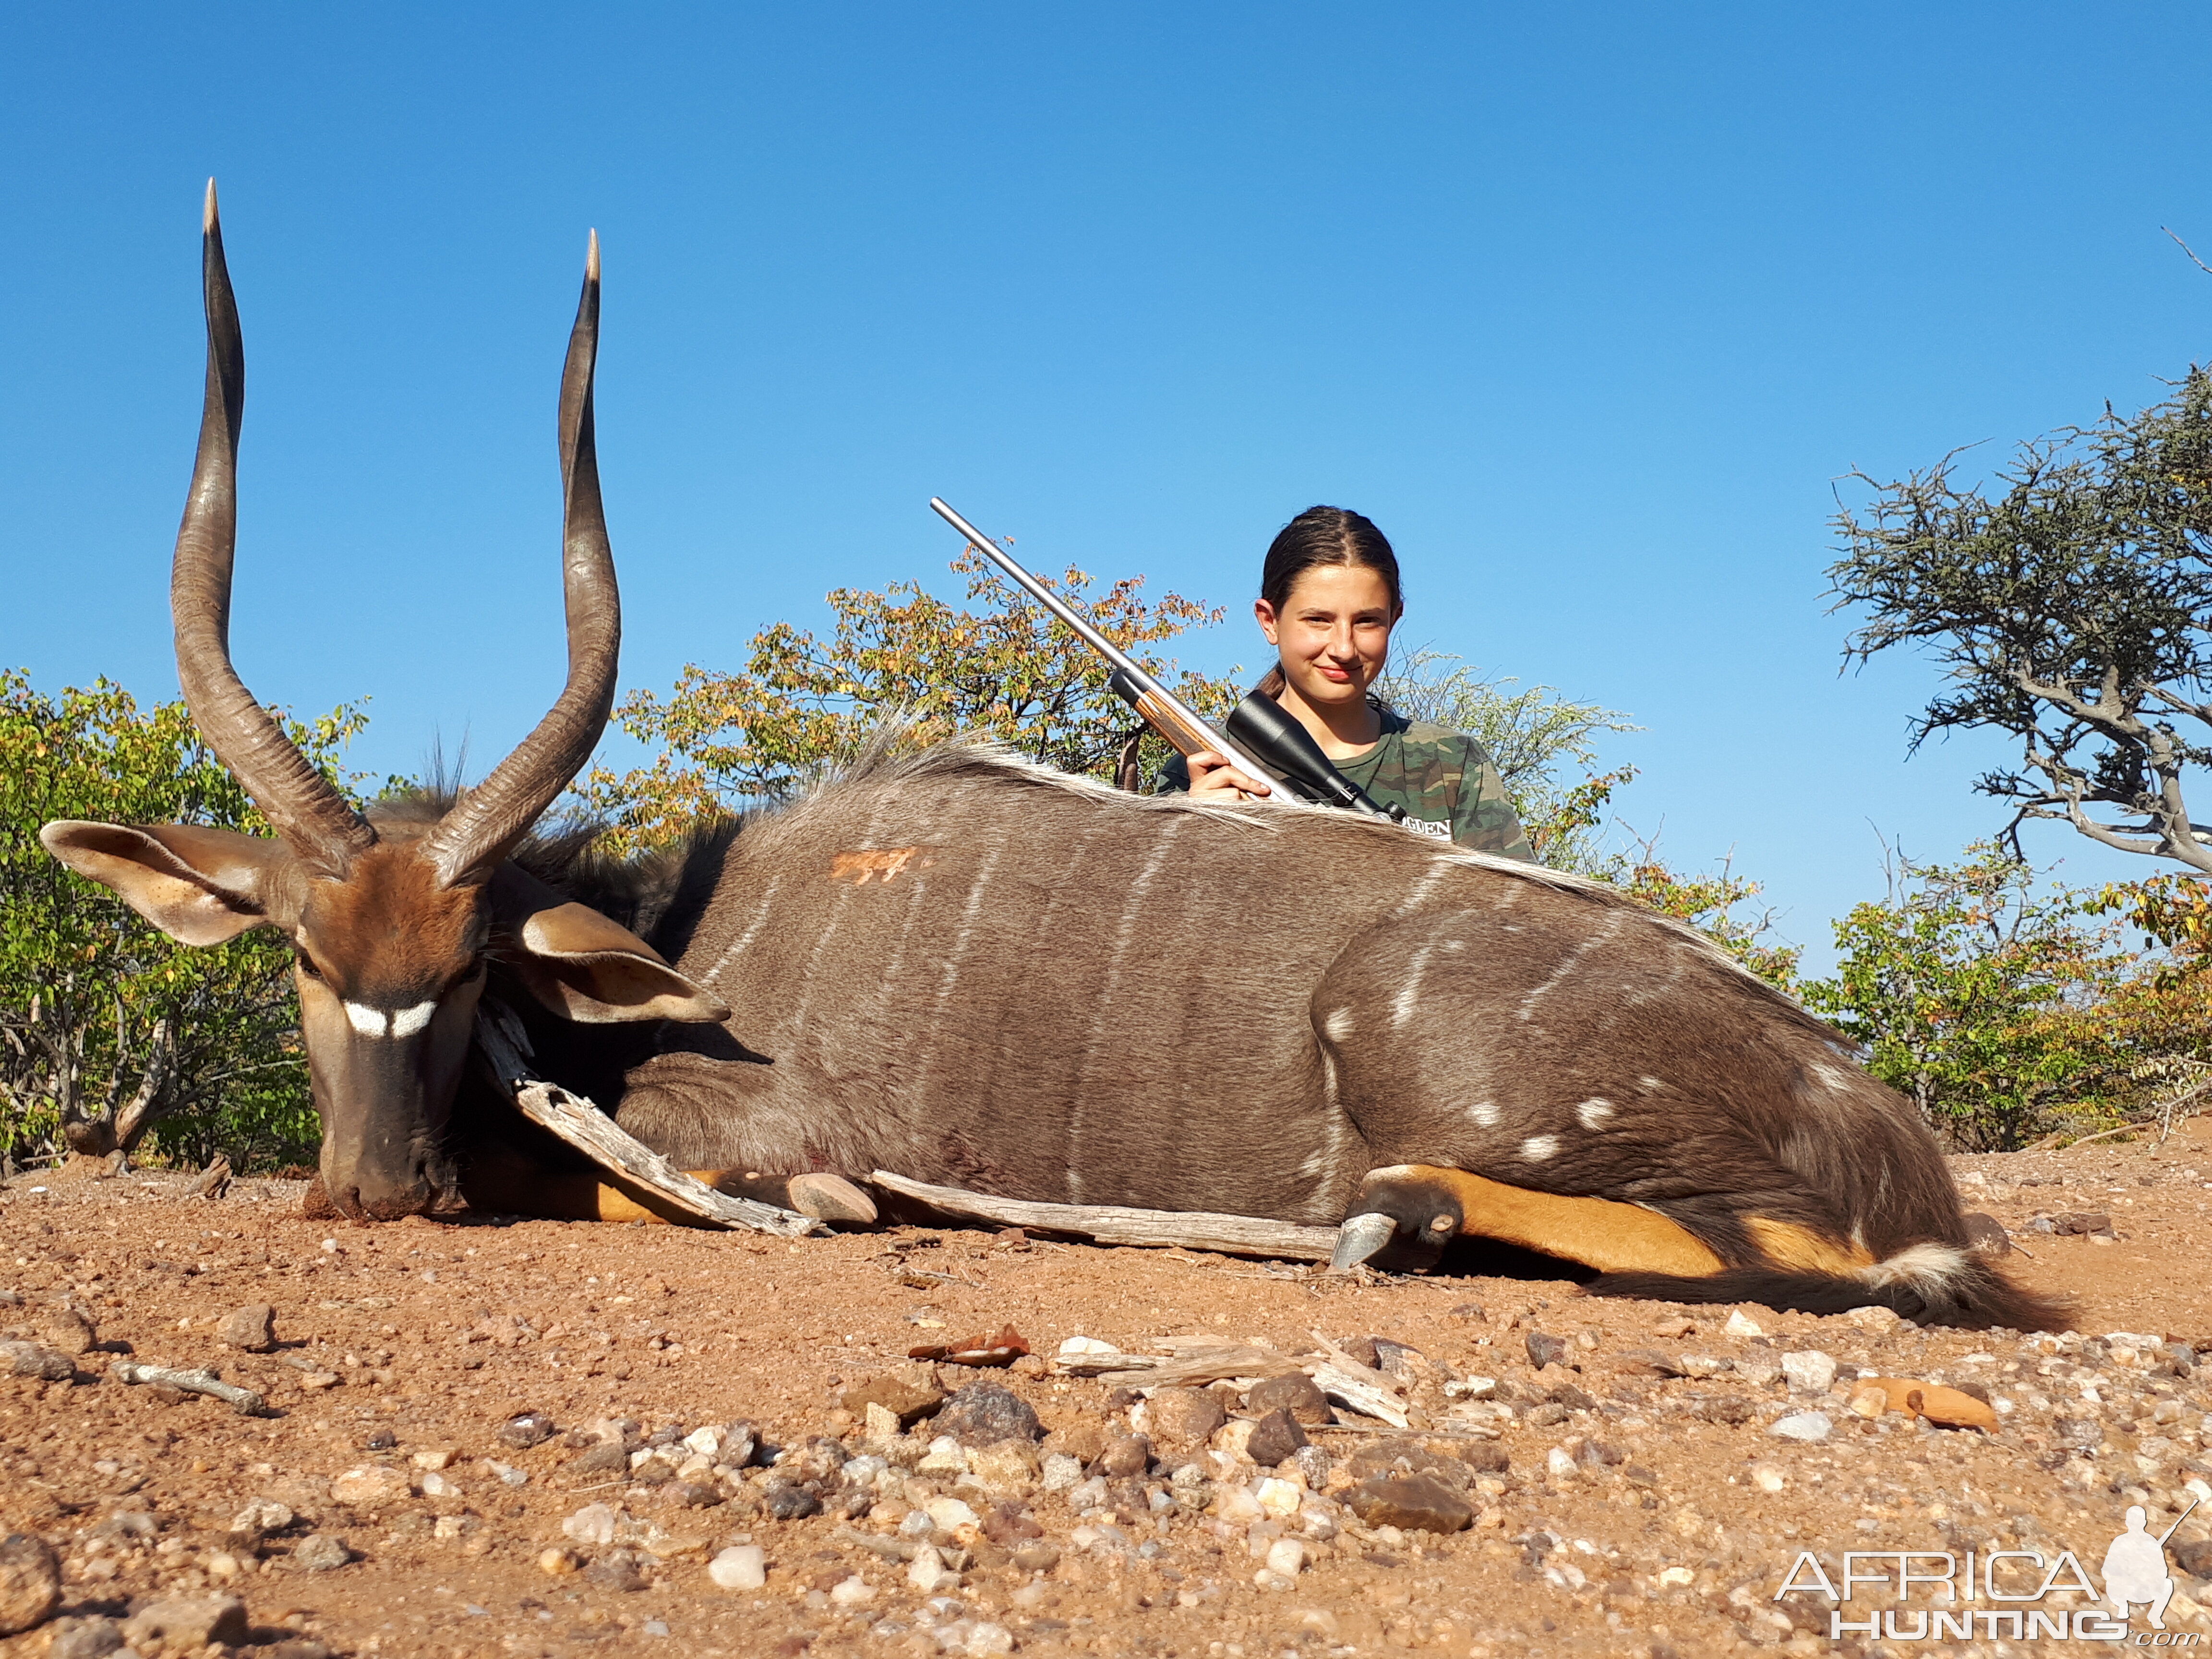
(582, 1125)
(1195, 1363)
(245, 1401)
(1111, 1224)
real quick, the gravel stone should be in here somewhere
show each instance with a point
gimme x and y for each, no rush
(1298, 1395)
(608, 1458)
(83, 1638)
(30, 1583)
(593, 1525)
(526, 1430)
(1802, 1425)
(319, 1552)
(370, 1485)
(1060, 1472)
(67, 1331)
(785, 1503)
(1545, 1349)
(1275, 1438)
(186, 1624)
(252, 1329)
(36, 1359)
(1486, 1457)
(1410, 1503)
(1125, 1457)
(740, 1567)
(1810, 1371)
(617, 1570)
(907, 1395)
(1179, 1419)
(983, 1412)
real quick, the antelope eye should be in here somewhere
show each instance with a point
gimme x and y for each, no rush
(306, 964)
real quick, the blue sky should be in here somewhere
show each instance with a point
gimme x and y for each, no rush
(1587, 306)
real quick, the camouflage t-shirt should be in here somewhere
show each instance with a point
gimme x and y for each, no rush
(1443, 780)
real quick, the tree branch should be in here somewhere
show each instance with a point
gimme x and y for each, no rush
(2190, 251)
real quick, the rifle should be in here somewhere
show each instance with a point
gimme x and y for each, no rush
(1257, 725)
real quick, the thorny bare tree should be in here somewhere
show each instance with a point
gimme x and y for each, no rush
(2071, 602)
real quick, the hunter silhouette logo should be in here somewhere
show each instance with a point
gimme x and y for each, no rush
(2135, 1566)
(1999, 1592)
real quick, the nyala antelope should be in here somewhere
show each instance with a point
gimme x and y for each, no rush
(985, 974)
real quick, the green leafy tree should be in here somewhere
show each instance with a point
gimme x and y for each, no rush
(803, 704)
(108, 1029)
(2071, 604)
(1537, 738)
(1986, 997)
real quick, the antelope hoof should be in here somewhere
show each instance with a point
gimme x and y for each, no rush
(1406, 1215)
(1361, 1236)
(831, 1198)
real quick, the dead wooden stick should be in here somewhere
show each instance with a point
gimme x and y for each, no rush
(1110, 1223)
(245, 1401)
(582, 1125)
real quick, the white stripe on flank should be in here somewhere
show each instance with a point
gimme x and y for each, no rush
(1401, 1005)
(1537, 1148)
(1484, 1112)
(408, 1021)
(752, 932)
(1593, 1113)
(1437, 869)
(1110, 989)
(1528, 1002)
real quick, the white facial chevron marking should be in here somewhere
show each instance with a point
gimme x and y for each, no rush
(408, 1021)
(375, 1023)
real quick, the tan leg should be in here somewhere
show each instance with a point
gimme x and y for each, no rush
(1612, 1238)
(1786, 1244)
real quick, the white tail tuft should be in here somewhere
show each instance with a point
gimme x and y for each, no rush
(1929, 1269)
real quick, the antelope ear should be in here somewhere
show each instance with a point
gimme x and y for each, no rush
(199, 886)
(596, 972)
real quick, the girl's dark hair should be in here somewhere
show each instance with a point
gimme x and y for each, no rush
(1323, 536)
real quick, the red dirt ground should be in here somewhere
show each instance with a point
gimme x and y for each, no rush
(1678, 1548)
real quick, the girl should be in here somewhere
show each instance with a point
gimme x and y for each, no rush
(1329, 598)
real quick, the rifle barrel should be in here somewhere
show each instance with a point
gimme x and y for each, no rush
(1199, 731)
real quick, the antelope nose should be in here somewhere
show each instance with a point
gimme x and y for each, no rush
(1361, 1236)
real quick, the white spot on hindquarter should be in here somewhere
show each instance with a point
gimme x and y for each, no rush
(1651, 1083)
(1484, 1112)
(1537, 1148)
(1338, 1025)
(1593, 1113)
(1829, 1076)
(1401, 1005)
(408, 1021)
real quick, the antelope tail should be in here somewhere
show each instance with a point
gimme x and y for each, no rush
(1929, 1284)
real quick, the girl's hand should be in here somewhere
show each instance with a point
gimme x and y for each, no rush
(1215, 781)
